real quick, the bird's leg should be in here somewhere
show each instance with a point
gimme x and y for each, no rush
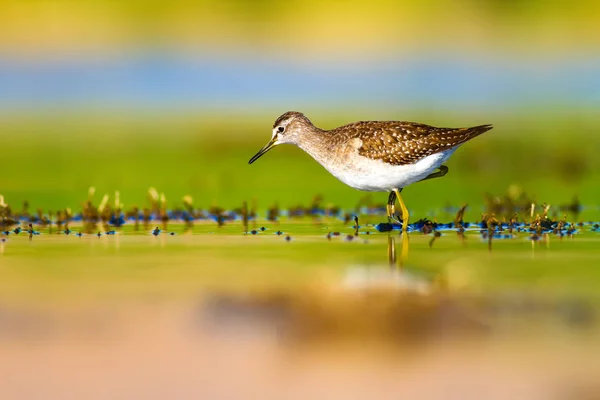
(405, 215)
(443, 171)
(391, 207)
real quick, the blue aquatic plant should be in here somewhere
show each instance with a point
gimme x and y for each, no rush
(117, 220)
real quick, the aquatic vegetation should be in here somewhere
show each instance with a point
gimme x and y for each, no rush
(514, 219)
(273, 213)
(436, 235)
(117, 220)
(31, 232)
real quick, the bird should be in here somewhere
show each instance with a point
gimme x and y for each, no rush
(374, 156)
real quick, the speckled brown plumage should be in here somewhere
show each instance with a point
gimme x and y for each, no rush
(393, 142)
(401, 142)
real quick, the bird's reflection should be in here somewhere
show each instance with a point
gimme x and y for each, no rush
(393, 260)
(398, 276)
(392, 251)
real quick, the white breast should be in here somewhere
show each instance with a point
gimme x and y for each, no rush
(377, 176)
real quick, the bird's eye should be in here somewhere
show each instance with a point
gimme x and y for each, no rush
(280, 129)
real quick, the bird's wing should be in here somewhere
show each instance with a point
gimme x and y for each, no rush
(401, 143)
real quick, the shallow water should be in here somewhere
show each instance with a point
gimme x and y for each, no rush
(215, 312)
(292, 255)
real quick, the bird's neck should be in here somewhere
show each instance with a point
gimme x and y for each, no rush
(315, 143)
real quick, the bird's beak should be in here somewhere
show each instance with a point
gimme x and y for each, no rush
(272, 143)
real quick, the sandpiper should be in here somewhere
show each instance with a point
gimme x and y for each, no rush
(375, 156)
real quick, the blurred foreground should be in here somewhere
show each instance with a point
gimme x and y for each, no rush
(158, 349)
(222, 314)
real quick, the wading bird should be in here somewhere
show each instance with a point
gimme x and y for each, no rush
(375, 156)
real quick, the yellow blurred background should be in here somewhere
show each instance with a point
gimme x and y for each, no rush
(427, 55)
(300, 30)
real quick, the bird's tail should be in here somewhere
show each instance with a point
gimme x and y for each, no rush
(455, 137)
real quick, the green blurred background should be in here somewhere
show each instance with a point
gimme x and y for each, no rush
(179, 95)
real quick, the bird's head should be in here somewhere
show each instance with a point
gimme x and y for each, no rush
(286, 129)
